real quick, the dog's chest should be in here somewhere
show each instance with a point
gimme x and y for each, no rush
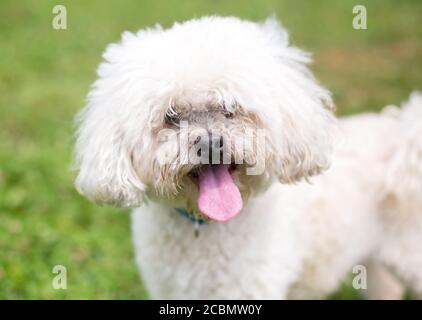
(224, 260)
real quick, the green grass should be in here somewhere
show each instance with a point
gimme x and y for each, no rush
(44, 78)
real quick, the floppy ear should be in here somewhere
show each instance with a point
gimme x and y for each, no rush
(305, 145)
(109, 134)
(104, 162)
(303, 130)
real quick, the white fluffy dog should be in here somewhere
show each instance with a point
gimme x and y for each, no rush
(165, 99)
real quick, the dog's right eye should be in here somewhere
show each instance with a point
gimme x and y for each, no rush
(172, 118)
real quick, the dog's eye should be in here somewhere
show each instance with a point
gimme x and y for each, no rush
(172, 118)
(228, 114)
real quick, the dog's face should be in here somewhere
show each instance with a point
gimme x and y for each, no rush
(201, 116)
(205, 156)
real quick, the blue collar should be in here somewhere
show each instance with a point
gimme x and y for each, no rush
(190, 216)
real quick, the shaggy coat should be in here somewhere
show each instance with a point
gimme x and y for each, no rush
(302, 228)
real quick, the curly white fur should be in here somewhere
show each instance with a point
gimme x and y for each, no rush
(290, 240)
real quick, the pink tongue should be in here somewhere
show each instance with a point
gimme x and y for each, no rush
(219, 198)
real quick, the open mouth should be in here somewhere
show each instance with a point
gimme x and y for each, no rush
(219, 197)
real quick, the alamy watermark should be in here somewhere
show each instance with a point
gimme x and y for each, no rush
(59, 21)
(360, 18)
(59, 281)
(209, 147)
(360, 280)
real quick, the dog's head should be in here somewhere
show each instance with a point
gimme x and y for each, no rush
(201, 116)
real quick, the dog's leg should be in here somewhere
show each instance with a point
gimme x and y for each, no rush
(401, 249)
(382, 284)
(400, 199)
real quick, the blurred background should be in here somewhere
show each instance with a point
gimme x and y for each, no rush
(45, 75)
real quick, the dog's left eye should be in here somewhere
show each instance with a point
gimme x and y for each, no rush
(228, 114)
(173, 118)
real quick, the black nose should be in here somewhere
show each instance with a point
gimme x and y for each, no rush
(210, 146)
